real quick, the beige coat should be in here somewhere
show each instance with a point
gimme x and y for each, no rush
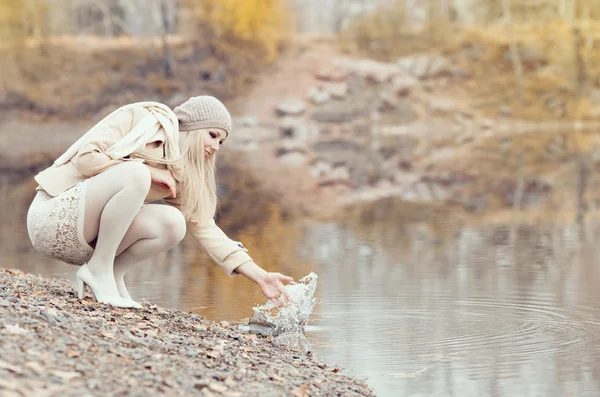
(95, 154)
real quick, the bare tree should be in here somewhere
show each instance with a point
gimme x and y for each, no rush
(514, 52)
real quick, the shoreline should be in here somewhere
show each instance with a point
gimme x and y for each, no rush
(51, 342)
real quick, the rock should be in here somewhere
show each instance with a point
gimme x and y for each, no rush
(438, 66)
(294, 159)
(291, 107)
(336, 113)
(292, 153)
(441, 105)
(247, 122)
(395, 111)
(318, 96)
(505, 111)
(486, 124)
(340, 173)
(425, 66)
(293, 128)
(337, 90)
(404, 85)
(371, 70)
(332, 73)
(320, 169)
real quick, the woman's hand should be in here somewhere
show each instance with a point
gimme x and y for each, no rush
(273, 288)
(271, 284)
(163, 178)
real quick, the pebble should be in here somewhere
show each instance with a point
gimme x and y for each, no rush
(151, 351)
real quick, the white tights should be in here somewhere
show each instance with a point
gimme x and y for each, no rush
(125, 229)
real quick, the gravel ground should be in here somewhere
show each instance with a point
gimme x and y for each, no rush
(54, 344)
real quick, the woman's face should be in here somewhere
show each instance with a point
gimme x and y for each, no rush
(213, 138)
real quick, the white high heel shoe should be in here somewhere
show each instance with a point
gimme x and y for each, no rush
(85, 277)
(123, 293)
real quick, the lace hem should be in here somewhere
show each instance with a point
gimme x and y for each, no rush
(55, 225)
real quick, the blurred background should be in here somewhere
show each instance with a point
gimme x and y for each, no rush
(433, 161)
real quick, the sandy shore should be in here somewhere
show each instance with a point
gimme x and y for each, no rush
(54, 344)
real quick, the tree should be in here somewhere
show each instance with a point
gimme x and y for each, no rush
(514, 52)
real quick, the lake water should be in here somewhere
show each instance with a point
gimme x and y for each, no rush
(418, 307)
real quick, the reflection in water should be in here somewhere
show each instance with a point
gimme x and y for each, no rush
(419, 310)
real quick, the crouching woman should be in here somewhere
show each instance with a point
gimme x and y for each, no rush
(94, 207)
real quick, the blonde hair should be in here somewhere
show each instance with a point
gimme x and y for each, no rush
(198, 178)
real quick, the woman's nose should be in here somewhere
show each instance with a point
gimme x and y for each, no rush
(215, 146)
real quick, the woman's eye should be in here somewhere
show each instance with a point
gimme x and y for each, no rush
(220, 143)
(213, 135)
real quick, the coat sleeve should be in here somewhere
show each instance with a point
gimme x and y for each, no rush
(92, 158)
(225, 252)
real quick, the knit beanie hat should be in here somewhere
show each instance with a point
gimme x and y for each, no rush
(203, 112)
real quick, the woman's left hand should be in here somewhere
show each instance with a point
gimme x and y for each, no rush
(273, 288)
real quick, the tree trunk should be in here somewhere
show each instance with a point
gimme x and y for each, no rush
(167, 60)
(581, 190)
(517, 200)
(514, 52)
(579, 63)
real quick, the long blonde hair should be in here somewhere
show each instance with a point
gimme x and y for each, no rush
(198, 178)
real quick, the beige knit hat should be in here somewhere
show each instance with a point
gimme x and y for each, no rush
(203, 112)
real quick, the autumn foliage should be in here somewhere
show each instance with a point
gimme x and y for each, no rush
(261, 26)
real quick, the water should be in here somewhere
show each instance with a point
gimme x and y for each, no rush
(419, 308)
(288, 323)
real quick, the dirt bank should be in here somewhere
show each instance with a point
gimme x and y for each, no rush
(53, 343)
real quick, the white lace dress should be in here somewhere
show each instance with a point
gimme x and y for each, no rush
(55, 225)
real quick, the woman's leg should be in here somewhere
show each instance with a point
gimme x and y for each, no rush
(157, 228)
(112, 201)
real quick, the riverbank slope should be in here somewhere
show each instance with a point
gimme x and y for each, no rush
(52, 343)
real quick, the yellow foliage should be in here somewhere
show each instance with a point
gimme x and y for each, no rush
(238, 23)
(11, 27)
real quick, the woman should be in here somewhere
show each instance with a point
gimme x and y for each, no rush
(93, 206)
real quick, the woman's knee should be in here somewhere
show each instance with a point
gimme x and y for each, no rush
(173, 225)
(136, 176)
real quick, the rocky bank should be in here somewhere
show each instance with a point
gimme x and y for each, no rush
(54, 344)
(319, 129)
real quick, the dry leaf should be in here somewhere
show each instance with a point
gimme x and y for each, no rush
(108, 335)
(213, 354)
(10, 367)
(66, 375)
(15, 330)
(72, 353)
(52, 311)
(35, 367)
(300, 391)
(224, 324)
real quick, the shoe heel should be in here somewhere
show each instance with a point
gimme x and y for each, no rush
(85, 277)
(80, 288)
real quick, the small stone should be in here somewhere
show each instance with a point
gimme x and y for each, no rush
(404, 85)
(294, 159)
(318, 96)
(338, 90)
(290, 107)
(332, 73)
(217, 387)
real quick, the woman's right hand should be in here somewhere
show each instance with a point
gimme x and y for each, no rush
(163, 178)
